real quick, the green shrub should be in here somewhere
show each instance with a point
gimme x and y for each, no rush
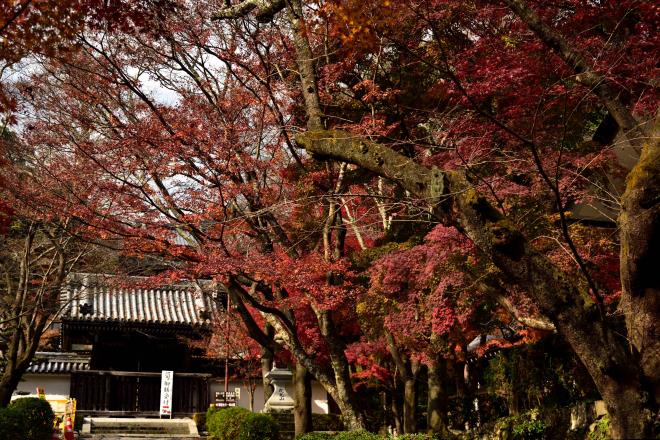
(327, 422)
(357, 435)
(601, 430)
(225, 424)
(419, 437)
(258, 427)
(363, 435)
(317, 436)
(11, 424)
(37, 417)
(527, 426)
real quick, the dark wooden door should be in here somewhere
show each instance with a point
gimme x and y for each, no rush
(125, 392)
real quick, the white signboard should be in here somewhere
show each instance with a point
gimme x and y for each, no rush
(166, 381)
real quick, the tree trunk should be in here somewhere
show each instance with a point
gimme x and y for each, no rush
(302, 411)
(410, 397)
(306, 68)
(640, 253)
(409, 406)
(407, 372)
(8, 383)
(18, 361)
(336, 381)
(267, 356)
(437, 400)
(396, 412)
(346, 398)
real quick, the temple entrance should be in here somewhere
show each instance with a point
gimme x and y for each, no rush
(134, 393)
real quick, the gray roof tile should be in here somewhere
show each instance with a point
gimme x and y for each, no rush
(95, 297)
(58, 363)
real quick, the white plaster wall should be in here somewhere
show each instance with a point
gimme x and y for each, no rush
(319, 395)
(52, 383)
(319, 399)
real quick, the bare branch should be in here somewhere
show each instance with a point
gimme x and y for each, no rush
(265, 10)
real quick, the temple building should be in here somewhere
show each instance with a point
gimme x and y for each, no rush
(118, 334)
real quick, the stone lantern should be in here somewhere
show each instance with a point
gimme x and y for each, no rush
(280, 399)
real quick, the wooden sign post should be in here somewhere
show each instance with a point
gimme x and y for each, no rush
(166, 382)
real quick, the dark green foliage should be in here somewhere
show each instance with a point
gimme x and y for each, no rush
(258, 427)
(11, 424)
(37, 417)
(316, 436)
(419, 437)
(545, 374)
(601, 430)
(357, 435)
(327, 422)
(345, 435)
(364, 435)
(209, 412)
(225, 424)
(528, 428)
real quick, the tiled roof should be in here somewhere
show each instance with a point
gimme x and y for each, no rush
(58, 363)
(94, 297)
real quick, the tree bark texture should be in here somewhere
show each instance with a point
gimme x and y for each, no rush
(397, 412)
(639, 221)
(410, 404)
(302, 411)
(436, 418)
(407, 374)
(347, 399)
(266, 365)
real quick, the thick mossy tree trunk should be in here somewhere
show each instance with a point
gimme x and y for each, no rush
(302, 411)
(639, 221)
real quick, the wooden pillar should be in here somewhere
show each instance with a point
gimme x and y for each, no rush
(108, 388)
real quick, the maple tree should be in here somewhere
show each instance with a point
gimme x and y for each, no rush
(39, 249)
(556, 292)
(450, 153)
(214, 232)
(50, 27)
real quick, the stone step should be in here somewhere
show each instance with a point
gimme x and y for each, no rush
(108, 427)
(134, 437)
(139, 430)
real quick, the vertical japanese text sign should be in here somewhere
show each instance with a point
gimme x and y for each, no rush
(166, 380)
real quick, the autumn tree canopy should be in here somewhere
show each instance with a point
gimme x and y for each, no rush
(376, 184)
